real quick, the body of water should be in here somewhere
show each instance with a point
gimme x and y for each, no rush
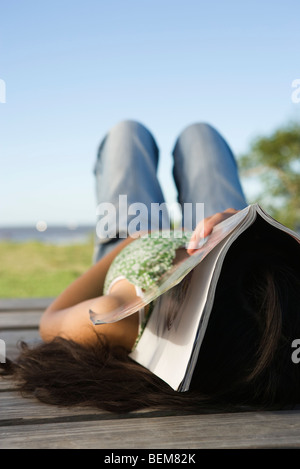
(51, 234)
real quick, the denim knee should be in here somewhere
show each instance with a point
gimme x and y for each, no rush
(128, 128)
(197, 132)
(132, 136)
(202, 140)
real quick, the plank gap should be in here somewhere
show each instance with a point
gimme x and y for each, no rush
(92, 418)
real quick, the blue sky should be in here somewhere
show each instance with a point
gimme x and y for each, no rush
(74, 68)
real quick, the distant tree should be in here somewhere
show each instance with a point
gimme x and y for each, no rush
(275, 162)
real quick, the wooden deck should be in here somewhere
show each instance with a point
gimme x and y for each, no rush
(26, 423)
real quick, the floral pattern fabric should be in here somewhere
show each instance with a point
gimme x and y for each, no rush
(146, 259)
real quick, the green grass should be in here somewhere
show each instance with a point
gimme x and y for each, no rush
(33, 269)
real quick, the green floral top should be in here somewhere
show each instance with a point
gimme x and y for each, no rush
(146, 259)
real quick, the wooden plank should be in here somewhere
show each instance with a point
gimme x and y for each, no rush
(16, 326)
(6, 384)
(19, 320)
(27, 423)
(16, 409)
(8, 304)
(20, 324)
(250, 430)
(12, 338)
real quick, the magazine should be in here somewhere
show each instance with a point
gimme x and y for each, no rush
(170, 343)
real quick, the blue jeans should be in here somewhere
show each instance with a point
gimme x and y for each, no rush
(204, 171)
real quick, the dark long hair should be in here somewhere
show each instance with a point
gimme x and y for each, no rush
(244, 361)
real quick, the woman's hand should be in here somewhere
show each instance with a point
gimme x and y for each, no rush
(205, 227)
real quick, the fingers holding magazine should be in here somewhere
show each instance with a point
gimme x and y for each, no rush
(205, 227)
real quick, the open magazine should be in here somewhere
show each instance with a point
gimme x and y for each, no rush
(170, 343)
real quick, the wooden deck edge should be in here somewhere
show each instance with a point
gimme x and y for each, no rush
(25, 304)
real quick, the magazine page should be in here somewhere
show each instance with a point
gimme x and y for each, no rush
(167, 343)
(178, 271)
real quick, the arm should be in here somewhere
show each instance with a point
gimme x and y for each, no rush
(88, 285)
(68, 315)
